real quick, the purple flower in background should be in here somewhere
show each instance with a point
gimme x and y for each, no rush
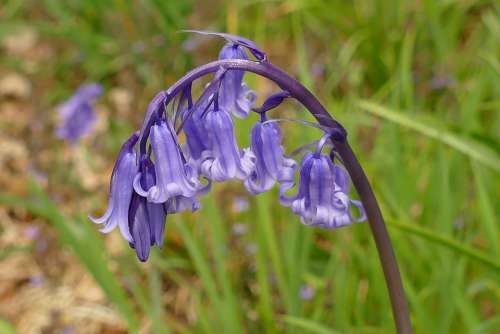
(306, 292)
(271, 166)
(173, 176)
(322, 198)
(240, 204)
(121, 190)
(235, 97)
(224, 160)
(77, 114)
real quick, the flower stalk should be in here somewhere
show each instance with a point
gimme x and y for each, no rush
(219, 158)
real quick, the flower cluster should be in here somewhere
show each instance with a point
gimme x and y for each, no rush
(158, 172)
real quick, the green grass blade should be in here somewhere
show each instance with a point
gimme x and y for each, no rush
(308, 325)
(444, 241)
(472, 149)
(272, 247)
(486, 209)
(155, 295)
(219, 246)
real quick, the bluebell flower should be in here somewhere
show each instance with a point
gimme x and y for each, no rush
(322, 198)
(271, 165)
(77, 114)
(121, 191)
(235, 97)
(146, 219)
(193, 120)
(224, 160)
(174, 177)
(197, 140)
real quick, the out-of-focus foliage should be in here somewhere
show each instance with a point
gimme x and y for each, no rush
(416, 83)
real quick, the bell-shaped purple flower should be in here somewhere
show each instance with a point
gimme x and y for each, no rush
(322, 198)
(235, 97)
(173, 176)
(121, 191)
(139, 226)
(146, 219)
(196, 137)
(77, 114)
(271, 166)
(224, 160)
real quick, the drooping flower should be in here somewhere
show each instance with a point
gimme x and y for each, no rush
(197, 140)
(224, 160)
(235, 97)
(139, 227)
(322, 198)
(271, 166)
(121, 191)
(146, 219)
(174, 177)
(193, 122)
(77, 114)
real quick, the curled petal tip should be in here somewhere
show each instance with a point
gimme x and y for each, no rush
(250, 45)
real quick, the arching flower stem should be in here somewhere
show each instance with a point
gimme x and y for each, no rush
(339, 137)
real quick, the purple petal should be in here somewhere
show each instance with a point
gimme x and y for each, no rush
(271, 165)
(225, 160)
(304, 177)
(143, 181)
(235, 97)
(120, 191)
(341, 179)
(206, 100)
(157, 217)
(171, 177)
(245, 101)
(272, 151)
(139, 227)
(320, 191)
(196, 138)
(361, 209)
(268, 161)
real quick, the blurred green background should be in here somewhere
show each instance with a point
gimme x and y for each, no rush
(417, 85)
